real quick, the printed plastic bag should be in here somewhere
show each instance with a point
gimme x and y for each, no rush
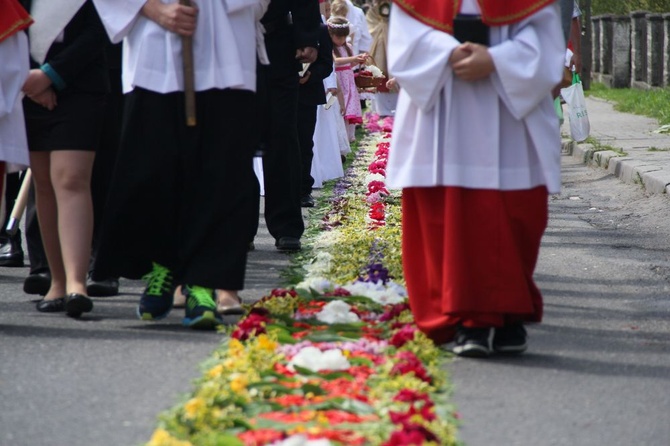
(578, 116)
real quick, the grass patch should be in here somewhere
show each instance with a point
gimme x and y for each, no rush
(599, 147)
(656, 149)
(651, 103)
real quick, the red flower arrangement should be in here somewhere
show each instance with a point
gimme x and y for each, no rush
(409, 363)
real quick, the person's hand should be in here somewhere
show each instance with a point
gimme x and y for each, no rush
(477, 65)
(174, 17)
(458, 54)
(391, 83)
(305, 77)
(576, 61)
(307, 54)
(36, 83)
(46, 99)
(361, 58)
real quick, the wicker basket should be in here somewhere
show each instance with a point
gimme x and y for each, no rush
(368, 82)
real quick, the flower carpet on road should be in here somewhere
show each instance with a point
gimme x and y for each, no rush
(335, 359)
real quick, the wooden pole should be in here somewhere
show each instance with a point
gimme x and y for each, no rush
(19, 204)
(189, 74)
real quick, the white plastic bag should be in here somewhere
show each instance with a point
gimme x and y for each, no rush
(577, 114)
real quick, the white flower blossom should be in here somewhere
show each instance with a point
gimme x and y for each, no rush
(301, 440)
(376, 71)
(313, 359)
(369, 178)
(318, 284)
(337, 312)
(377, 292)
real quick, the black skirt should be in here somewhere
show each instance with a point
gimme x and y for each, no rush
(184, 197)
(74, 124)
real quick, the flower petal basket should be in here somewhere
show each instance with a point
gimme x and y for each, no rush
(369, 77)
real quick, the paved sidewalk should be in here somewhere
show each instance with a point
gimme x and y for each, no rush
(646, 157)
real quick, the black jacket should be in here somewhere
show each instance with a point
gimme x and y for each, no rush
(312, 91)
(289, 25)
(80, 58)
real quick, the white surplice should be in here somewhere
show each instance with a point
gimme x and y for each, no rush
(13, 73)
(224, 46)
(498, 133)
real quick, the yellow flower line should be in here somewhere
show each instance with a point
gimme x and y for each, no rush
(230, 373)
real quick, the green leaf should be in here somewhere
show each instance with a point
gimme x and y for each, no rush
(305, 371)
(324, 336)
(312, 388)
(272, 387)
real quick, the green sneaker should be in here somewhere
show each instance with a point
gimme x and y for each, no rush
(201, 311)
(157, 297)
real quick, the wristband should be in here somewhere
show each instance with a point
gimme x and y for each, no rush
(56, 80)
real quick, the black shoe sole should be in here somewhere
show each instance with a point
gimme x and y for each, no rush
(472, 352)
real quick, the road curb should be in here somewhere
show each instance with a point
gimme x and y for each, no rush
(651, 173)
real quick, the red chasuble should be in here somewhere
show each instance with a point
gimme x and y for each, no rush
(13, 18)
(440, 14)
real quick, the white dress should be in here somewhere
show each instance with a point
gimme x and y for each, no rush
(13, 72)
(498, 133)
(330, 140)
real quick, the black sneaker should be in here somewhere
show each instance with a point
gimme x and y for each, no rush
(510, 339)
(201, 311)
(156, 300)
(473, 342)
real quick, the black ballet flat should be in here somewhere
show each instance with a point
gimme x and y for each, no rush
(51, 305)
(76, 304)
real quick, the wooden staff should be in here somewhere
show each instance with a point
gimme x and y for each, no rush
(19, 204)
(189, 74)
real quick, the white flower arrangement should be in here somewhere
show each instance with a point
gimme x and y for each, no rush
(376, 72)
(369, 178)
(393, 293)
(313, 359)
(337, 312)
(318, 284)
(301, 440)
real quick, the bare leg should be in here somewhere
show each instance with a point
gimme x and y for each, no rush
(71, 179)
(47, 213)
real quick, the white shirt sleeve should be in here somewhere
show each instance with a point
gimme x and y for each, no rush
(418, 58)
(537, 42)
(331, 80)
(15, 65)
(365, 38)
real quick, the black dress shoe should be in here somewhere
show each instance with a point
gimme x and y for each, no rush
(11, 253)
(103, 288)
(76, 304)
(307, 201)
(51, 305)
(288, 244)
(37, 283)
